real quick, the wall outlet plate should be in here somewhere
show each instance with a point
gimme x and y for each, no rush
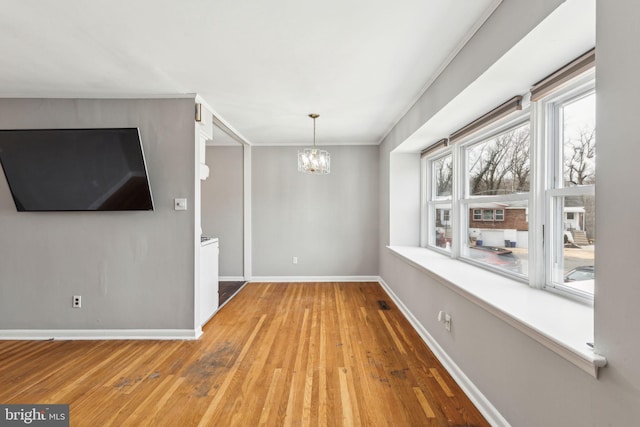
(180, 204)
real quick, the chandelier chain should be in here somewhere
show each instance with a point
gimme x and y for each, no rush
(314, 116)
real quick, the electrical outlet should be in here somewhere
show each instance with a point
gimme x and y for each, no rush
(446, 319)
(447, 322)
(77, 301)
(295, 260)
(180, 204)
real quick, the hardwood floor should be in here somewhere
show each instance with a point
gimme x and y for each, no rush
(322, 354)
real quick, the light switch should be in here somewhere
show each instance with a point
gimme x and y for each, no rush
(180, 204)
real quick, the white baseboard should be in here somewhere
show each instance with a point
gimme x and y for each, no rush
(482, 403)
(100, 334)
(315, 279)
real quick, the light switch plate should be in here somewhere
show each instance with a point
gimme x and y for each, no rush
(180, 204)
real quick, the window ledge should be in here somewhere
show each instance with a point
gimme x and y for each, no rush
(562, 325)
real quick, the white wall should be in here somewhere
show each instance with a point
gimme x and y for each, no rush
(329, 222)
(222, 206)
(405, 192)
(528, 384)
(134, 270)
(617, 313)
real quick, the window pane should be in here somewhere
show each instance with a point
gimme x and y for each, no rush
(500, 165)
(443, 177)
(502, 244)
(575, 265)
(487, 215)
(443, 228)
(579, 141)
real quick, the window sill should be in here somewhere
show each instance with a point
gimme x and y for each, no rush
(560, 324)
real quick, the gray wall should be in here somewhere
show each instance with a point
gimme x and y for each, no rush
(329, 222)
(617, 313)
(134, 270)
(222, 206)
(528, 384)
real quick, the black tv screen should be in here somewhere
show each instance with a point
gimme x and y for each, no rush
(75, 169)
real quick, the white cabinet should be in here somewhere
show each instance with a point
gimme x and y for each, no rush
(208, 279)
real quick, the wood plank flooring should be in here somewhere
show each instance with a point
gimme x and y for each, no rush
(321, 354)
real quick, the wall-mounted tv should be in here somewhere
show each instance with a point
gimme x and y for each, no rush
(75, 169)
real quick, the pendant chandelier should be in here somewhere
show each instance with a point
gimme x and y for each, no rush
(312, 160)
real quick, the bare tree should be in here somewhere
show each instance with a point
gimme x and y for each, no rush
(488, 171)
(580, 153)
(501, 164)
(444, 176)
(520, 163)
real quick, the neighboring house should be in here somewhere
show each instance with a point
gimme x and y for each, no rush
(495, 223)
(574, 218)
(496, 216)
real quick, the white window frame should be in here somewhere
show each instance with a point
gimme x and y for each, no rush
(431, 203)
(465, 200)
(550, 191)
(542, 219)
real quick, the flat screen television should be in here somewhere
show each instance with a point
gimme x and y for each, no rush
(75, 169)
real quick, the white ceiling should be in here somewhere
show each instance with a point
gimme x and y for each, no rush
(566, 33)
(262, 65)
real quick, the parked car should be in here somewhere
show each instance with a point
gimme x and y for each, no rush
(584, 272)
(498, 257)
(581, 278)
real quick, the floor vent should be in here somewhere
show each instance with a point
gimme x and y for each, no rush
(383, 305)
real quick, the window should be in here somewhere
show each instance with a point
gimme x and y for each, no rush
(570, 194)
(496, 175)
(439, 196)
(487, 215)
(490, 205)
(499, 164)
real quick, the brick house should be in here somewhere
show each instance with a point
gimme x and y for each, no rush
(497, 216)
